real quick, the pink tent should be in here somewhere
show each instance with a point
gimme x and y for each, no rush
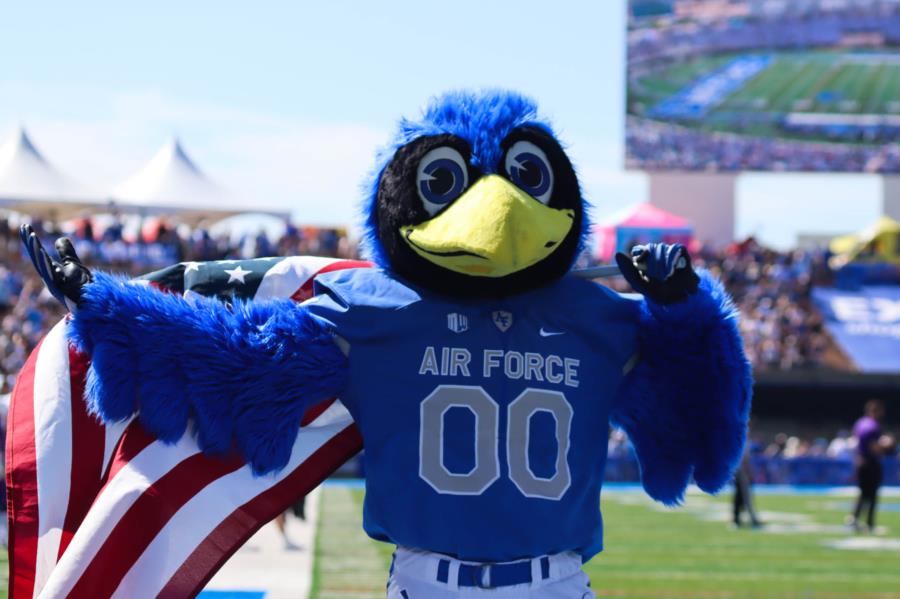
(642, 223)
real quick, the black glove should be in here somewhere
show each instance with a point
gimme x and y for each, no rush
(66, 278)
(660, 271)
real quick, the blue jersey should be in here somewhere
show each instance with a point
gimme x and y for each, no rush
(484, 421)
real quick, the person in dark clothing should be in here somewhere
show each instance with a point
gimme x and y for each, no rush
(743, 494)
(872, 444)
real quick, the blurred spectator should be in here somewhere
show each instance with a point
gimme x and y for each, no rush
(781, 328)
(842, 445)
(743, 492)
(777, 458)
(27, 310)
(663, 146)
(870, 450)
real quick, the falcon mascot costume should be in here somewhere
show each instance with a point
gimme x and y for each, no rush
(481, 373)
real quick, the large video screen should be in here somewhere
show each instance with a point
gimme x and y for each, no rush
(764, 85)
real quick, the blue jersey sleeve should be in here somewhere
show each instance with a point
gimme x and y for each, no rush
(610, 320)
(356, 304)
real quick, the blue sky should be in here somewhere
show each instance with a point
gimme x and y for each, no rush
(286, 102)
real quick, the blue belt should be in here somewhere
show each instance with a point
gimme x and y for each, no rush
(489, 576)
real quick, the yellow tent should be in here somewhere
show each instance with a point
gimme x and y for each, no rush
(879, 243)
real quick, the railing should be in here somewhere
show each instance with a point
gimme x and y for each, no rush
(781, 471)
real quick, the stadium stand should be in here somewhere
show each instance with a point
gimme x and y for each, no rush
(27, 311)
(782, 329)
(677, 129)
(777, 30)
(658, 146)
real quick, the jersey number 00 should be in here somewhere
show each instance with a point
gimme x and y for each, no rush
(487, 430)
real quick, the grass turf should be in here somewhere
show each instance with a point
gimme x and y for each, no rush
(4, 574)
(690, 552)
(655, 553)
(821, 81)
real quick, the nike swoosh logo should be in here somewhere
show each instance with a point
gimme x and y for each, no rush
(551, 333)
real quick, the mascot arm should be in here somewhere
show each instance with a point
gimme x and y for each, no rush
(242, 374)
(686, 402)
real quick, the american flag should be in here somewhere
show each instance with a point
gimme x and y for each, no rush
(107, 511)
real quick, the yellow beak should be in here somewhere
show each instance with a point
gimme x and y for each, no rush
(492, 230)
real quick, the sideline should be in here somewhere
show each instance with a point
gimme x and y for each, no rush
(264, 567)
(759, 489)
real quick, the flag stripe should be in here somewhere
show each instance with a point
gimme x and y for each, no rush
(137, 528)
(134, 441)
(112, 434)
(284, 278)
(306, 289)
(131, 481)
(315, 411)
(87, 452)
(210, 528)
(53, 448)
(243, 523)
(21, 482)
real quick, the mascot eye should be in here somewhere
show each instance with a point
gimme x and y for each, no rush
(442, 176)
(529, 169)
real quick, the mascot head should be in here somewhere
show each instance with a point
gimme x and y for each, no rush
(476, 198)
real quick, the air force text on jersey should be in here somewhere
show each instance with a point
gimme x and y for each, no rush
(514, 365)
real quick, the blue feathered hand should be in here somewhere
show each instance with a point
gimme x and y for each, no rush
(65, 278)
(686, 402)
(660, 271)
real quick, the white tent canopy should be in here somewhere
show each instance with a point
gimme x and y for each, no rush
(169, 184)
(170, 179)
(30, 183)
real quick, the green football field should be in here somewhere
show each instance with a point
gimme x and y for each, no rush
(4, 577)
(823, 81)
(653, 552)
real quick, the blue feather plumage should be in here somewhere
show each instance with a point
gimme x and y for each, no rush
(685, 405)
(243, 375)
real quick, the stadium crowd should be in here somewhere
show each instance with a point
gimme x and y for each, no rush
(780, 327)
(773, 24)
(664, 146)
(777, 458)
(27, 310)
(780, 445)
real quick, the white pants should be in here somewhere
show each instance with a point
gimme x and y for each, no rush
(415, 575)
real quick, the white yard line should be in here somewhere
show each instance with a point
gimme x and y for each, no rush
(706, 508)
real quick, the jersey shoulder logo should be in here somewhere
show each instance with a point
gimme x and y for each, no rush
(458, 323)
(502, 319)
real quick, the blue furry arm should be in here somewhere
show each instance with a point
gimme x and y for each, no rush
(685, 404)
(243, 375)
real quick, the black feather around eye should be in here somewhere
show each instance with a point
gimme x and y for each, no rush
(398, 201)
(566, 192)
